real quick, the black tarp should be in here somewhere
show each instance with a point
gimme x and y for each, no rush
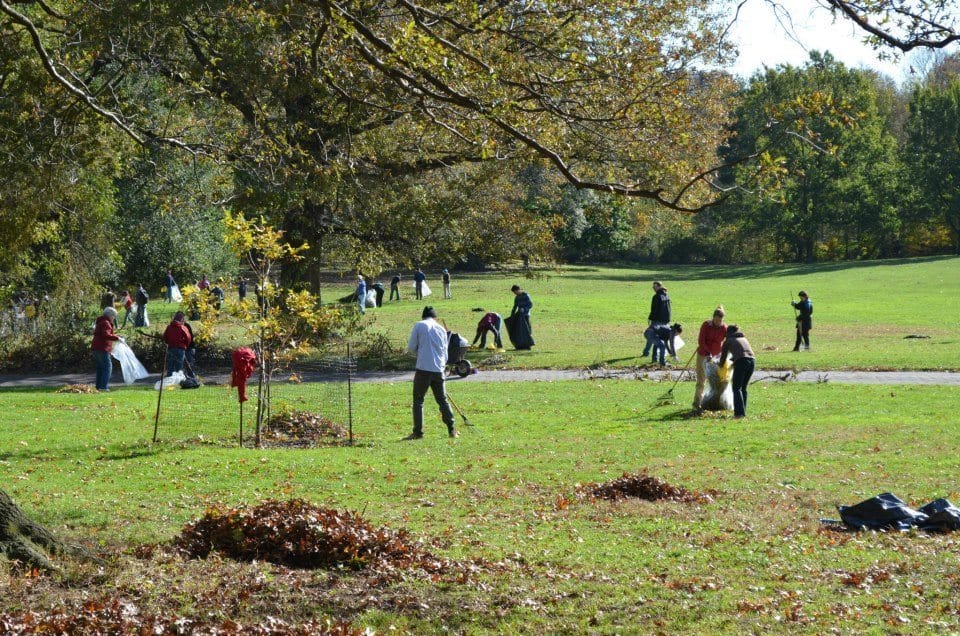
(519, 331)
(887, 511)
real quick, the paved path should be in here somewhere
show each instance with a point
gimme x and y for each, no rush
(945, 378)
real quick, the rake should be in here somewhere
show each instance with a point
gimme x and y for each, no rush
(459, 410)
(667, 398)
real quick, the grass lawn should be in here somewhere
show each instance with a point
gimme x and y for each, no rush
(756, 559)
(586, 316)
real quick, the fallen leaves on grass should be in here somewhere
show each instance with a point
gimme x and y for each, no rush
(116, 616)
(643, 486)
(77, 388)
(298, 534)
(299, 428)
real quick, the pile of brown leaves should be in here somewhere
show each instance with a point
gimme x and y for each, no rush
(295, 533)
(116, 616)
(299, 428)
(643, 486)
(77, 388)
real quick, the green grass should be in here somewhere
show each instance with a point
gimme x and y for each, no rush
(754, 560)
(596, 315)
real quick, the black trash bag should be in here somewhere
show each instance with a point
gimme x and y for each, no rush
(519, 331)
(352, 298)
(941, 516)
(881, 512)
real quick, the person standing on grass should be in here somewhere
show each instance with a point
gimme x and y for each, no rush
(128, 306)
(361, 294)
(242, 289)
(518, 327)
(102, 345)
(737, 347)
(428, 341)
(142, 297)
(709, 345)
(178, 339)
(418, 278)
(395, 286)
(660, 314)
(170, 282)
(446, 284)
(804, 321)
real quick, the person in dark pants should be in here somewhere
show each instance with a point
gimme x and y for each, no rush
(142, 297)
(804, 321)
(242, 289)
(190, 356)
(169, 281)
(418, 278)
(659, 315)
(491, 322)
(518, 324)
(395, 286)
(737, 347)
(378, 290)
(102, 345)
(428, 341)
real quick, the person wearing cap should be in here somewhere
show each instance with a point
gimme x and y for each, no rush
(709, 344)
(804, 320)
(102, 345)
(736, 346)
(446, 284)
(178, 339)
(428, 341)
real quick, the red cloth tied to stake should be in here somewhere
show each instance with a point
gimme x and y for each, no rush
(244, 362)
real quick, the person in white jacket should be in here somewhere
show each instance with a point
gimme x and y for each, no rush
(428, 341)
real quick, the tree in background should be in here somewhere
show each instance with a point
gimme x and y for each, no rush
(838, 190)
(933, 157)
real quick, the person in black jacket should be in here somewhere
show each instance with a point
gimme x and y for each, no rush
(659, 315)
(804, 320)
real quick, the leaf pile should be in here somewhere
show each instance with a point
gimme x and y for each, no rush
(643, 486)
(297, 534)
(299, 428)
(77, 388)
(116, 616)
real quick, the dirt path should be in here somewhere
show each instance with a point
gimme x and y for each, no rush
(944, 378)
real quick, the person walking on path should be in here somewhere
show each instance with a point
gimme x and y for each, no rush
(491, 322)
(736, 346)
(102, 345)
(428, 341)
(804, 321)
(518, 324)
(361, 294)
(395, 286)
(142, 297)
(170, 282)
(709, 345)
(418, 278)
(177, 337)
(446, 285)
(660, 314)
(128, 306)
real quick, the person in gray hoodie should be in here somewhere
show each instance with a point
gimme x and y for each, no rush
(736, 346)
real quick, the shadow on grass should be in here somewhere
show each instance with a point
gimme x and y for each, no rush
(715, 272)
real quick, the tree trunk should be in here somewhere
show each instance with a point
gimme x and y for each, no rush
(24, 540)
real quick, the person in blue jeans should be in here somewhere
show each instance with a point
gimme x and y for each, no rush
(102, 345)
(736, 346)
(664, 342)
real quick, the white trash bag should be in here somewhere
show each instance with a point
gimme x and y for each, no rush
(719, 393)
(132, 369)
(678, 343)
(175, 294)
(426, 288)
(370, 300)
(173, 381)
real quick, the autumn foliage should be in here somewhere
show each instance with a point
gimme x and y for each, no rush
(298, 534)
(643, 486)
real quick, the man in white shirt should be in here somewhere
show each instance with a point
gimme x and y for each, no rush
(428, 341)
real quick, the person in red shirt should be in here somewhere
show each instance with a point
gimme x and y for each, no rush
(128, 306)
(709, 344)
(102, 345)
(177, 337)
